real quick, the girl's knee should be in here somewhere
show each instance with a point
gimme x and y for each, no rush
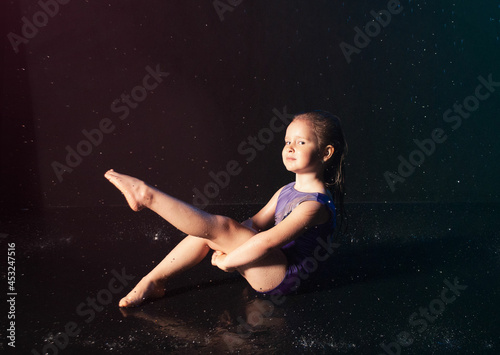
(225, 224)
(230, 228)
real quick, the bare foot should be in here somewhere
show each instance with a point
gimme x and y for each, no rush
(135, 190)
(146, 289)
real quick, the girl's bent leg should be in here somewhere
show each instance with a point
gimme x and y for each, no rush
(189, 252)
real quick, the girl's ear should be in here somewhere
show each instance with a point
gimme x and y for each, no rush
(328, 153)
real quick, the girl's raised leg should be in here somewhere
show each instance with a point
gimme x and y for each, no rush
(181, 215)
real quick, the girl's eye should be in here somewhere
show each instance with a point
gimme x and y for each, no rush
(302, 142)
(287, 142)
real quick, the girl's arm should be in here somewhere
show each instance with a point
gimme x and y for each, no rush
(307, 214)
(264, 219)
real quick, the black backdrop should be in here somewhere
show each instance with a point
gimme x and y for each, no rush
(232, 66)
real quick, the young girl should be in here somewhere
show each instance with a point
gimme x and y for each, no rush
(270, 249)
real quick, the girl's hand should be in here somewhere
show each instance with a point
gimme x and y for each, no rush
(218, 258)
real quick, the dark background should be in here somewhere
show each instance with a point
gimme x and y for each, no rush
(227, 74)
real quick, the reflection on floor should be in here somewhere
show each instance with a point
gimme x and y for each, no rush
(407, 279)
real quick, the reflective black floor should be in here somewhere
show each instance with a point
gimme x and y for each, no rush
(408, 279)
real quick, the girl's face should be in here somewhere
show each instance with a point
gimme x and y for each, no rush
(301, 153)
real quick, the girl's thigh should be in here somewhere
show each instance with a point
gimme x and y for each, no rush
(264, 274)
(228, 234)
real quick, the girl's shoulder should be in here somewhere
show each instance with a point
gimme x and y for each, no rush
(289, 195)
(291, 189)
(289, 198)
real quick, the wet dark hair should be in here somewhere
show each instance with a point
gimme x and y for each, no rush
(328, 130)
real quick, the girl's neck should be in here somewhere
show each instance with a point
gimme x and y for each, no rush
(309, 183)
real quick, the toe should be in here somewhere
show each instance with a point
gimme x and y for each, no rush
(123, 302)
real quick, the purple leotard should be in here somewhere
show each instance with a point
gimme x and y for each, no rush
(302, 253)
